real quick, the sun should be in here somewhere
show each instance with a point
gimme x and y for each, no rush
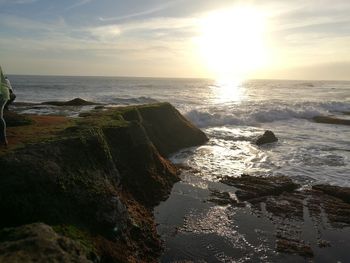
(231, 41)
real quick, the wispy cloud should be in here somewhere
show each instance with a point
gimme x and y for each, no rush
(78, 4)
(18, 1)
(141, 13)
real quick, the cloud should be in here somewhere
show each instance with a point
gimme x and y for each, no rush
(78, 4)
(18, 1)
(141, 13)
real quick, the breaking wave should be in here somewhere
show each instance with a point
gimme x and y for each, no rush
(253, 114)
(131, 101)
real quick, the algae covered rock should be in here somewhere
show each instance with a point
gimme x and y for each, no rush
(102, 173)
(40, 243)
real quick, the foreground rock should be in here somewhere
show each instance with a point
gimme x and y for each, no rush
(303, 218)
(331, 120)
(101, 174)
(40, 243)
(74, 102)
(267, 137)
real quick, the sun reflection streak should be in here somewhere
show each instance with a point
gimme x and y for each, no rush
(225, 91)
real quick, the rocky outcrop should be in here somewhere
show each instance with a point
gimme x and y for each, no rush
(331, 120)
(340, 192)
(168, 136)
(267, 137)
(41, 244)
(101, 174)
(254, 187)
(73, 102)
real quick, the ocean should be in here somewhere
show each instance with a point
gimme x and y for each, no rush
(232, 114)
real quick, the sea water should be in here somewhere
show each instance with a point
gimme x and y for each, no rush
(232, 114)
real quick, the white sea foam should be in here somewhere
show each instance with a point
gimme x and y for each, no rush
(263, 113)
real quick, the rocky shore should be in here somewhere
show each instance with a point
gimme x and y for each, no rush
(84, 189)
(91, 183)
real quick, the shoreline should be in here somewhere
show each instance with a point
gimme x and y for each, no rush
(90, 168)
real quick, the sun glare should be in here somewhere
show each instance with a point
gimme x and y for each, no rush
(231, 42)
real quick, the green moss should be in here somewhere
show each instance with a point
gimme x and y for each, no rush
(77, 235)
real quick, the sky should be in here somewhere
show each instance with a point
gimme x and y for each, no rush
(173, 38)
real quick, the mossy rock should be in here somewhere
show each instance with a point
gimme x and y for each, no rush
(14, 120)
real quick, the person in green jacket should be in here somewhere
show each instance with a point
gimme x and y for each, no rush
(4, 97)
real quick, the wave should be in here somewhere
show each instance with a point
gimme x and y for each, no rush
(254, 114)
(131, 101)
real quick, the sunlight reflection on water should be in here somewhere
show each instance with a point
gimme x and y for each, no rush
(225, 90)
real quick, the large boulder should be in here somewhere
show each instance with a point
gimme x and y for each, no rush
(168, 130)
(267, 137)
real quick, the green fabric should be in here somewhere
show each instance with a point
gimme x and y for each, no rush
(4, 89)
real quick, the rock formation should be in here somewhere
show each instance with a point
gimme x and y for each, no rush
(101, 175)
(322, 209)
(331, 120)
(73, 102)
(267, 137)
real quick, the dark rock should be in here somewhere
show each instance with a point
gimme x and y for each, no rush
(13, 119)
(74, 102)
(140, 164)
(168, 130)
(340, 192)
(323, 244)
(99, 107)
(294, 247)
(85, 114)
(223, 198)
(254, 187)
(39, 243)
(267, 137)
(331, 120)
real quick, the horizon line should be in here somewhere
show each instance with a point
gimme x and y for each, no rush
(152, 77)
